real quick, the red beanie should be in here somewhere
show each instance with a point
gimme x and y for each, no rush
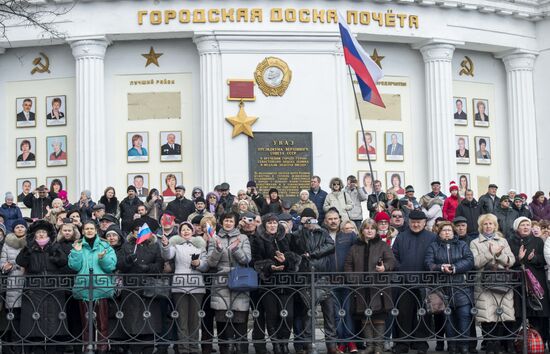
(381, 216)
(453, 186)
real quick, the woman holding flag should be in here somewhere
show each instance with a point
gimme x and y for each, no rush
(140, 254)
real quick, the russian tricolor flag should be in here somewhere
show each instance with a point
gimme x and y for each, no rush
(366, 70)
(144, 234)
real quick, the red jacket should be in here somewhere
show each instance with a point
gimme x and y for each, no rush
(449, 207)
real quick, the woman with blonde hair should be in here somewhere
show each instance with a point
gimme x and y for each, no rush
(349, 227)
(495, 304)
(338, 198)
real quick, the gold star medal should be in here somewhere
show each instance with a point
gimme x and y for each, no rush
(152, 57)
(377, 58)
(241, 122)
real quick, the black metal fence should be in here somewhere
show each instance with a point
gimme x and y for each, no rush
(93, 313)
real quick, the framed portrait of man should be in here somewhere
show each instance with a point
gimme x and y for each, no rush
(395, 182)
(24, 187)
(168, 183)
(56, 110)
(394, 146)
(141, 182)
(170, 146)
(138, 146)
(25, 152)
(459, 107)
(483, 150)
(481, 112)
(462, 148)
(366, 180)
(61, 179)
(26, 112)
(463, 183)
(56, 147)
(370, 137)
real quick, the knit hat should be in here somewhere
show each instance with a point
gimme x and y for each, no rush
(197, 219)
(523, 196)
(62, 195)
(382, 216)
(453, 186)
(517, 197)
(188, 224)
(519, 221)
(88, 193)
(200, 200)
(269, 217)
(251, 184)
(417, 215)
(131, 188)
(308, 213)
(9, 195)
(19, 222)
(504, 197)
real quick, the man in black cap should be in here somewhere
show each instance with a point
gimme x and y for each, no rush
(128, 208)
(200, 209)
(488, 202)
(506, 215)
(461, 227)
(227, 199)
(409, 203)
(436, 191)
(38, 201)
(409, 250)
(469, 209)
(180, 207)
(106, 221)
(255, 195)
(98, 211)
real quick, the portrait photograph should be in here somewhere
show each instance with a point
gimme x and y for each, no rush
(57, 150)
(24, 187)
(481, 112)
(141, 182)
(26, 112)
(370, 137)
(394, 146)
(26, 152)
(55, 110)
(138, 147)
(459, 108)
(170, 146)
(396, 182)
(57, 183)
(168, 183)
(365, 180)
(462, 148)
(483, 150)
(463, 183)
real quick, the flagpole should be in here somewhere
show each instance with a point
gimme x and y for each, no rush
(363, 133)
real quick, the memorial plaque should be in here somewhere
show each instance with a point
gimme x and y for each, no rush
(281, 160)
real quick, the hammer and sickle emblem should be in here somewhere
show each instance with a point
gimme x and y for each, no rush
(40, 67)
(467, 66)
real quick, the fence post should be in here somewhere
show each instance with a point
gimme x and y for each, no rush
(313, 310)
(90, 345)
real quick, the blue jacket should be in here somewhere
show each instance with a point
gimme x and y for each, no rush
(410, 249)
(11, 213)
(343, 245)
(319, 200)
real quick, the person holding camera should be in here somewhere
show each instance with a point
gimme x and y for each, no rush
(452, 257)
(189, 254)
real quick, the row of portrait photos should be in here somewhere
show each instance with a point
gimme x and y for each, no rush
(25, 108)
(394, 147)
(480, 107)
(56, 151)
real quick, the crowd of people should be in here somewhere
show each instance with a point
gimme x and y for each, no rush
(215, 232)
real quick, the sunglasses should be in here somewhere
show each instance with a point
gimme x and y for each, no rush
(397, 216)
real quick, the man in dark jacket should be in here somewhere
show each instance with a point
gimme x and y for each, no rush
(146, 219)
(436, 191)
(461, 227)
(128, 208)
(318, 196)
(409, 250)
(38, 202)
(180, 207)
(506, 215)
(521, 207)
(376, 196)
(469, 209)
(489, 201)
(227, 199)
(316, 248)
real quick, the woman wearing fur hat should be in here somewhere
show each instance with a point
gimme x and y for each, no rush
(451, 203)
(13, 244)
(338, 198)
(43, 260)
(189, 253)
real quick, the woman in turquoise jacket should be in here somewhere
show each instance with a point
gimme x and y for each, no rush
(96, 255)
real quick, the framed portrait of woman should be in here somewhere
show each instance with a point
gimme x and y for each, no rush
(25, 152)
(481, 112)
(463, 183)
(168, 183)
(370, 138)
(56, 110)
(56, 147)
(138, 146)
(462, 149)
(395, 181)
(483, 150)
(366, 180)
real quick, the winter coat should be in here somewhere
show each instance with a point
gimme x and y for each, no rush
(372, 200)
(432, 214)
(301, 205)
(226, 202)
(471, 211)
(128, 208)
(379, 299)
(342, 245)
(536, 265)
(523, 211)
(181, 208)
(487, 301)
(15, 281)
(506, 219)
(145, 260)
(111, 205)
(487, 205)
(85, 209)
(457, 253)
(410, 249)
(318, 244)
(275, 206)
(357, 196)
(187, 279)
(11, 213)
(39, 294)
(341, 201)
(449, 207)
(37, 205)
(87, 258)
(318, 198)
(224, 260)
(540, 211)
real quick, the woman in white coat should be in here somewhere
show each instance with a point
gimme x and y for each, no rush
(339, 199)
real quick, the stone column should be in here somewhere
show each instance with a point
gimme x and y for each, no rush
(91, 142)
(439, 111)
(212, 120)
(523, 154)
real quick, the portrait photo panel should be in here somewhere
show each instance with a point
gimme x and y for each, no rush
(25, 108)
(394, 146)
(462, 146)
(463, 183)
(481, 112)
(366, 180)
(370, 137)
(460, 110)
(56, 183)
(141, 182)
(168, 183)
(56, 147)
(395, 181)
(25, 152)
(138, 146)
(483, 150)
(24, 187)
(56, 110)
(170, 146)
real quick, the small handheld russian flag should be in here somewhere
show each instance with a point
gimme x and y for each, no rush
(210, 230)
(144, 234)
